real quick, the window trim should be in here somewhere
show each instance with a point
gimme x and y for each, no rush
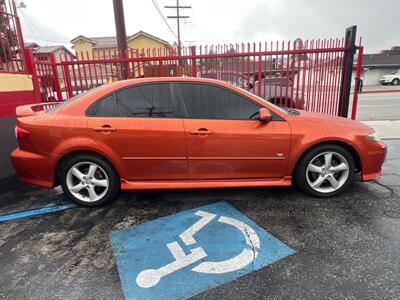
(183, 111)
(92, 109)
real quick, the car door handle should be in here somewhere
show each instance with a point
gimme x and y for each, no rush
(201, 131)
(104, 128)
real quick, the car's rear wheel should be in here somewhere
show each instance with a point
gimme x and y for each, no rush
(325, 170)
(396, 81)
(89, 180)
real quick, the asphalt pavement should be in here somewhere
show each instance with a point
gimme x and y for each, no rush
(378, 106)
(345, 247)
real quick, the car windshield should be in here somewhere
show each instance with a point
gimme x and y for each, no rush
(395, 72)
(281, 109)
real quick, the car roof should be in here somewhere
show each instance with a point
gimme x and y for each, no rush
(128, 82)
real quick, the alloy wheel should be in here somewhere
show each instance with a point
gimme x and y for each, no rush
(327, 172)
(87, 181)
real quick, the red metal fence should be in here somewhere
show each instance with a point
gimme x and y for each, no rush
(11, 41)
(301, 74)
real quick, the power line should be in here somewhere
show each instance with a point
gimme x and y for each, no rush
(205, 31)
(163, 17)
(178, 17)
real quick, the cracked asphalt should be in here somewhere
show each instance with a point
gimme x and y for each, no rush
(347, 247)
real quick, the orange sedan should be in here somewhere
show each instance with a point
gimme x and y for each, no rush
(162, 133)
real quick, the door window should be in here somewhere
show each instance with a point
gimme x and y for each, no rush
(203, 101)
(151, 101)
(143, 101)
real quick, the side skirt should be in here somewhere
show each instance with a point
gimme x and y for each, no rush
(189, 184)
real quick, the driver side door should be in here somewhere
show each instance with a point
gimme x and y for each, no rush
(224, 142)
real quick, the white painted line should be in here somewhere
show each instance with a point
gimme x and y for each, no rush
(239, 261)
(187, 235)
(150, 277)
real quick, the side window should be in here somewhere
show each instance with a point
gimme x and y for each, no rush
(152, 101)
(203, 101)
(106, 107)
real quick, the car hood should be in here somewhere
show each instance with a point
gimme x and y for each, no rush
(319, 119)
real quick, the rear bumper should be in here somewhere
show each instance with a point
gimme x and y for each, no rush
(372, 160)
(33, 168)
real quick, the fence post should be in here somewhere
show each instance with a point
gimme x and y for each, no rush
(347, 69)
(357, 82)
(259, 75)
(56, 79)
(160, 63)
(31, 69)
(194, 65)
(67, 79)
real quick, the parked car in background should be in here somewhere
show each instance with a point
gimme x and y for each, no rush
(280, 92)
(276, 90)
(392, 78)
(163, 133)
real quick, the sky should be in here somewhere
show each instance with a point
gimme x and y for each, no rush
(52, 22)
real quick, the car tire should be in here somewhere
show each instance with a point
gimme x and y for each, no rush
(89, 180)
(396, 81)
(317, 177)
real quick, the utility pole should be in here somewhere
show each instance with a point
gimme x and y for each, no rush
(178, 17)
(121, 34)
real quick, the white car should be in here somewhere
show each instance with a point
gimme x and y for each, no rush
(393, 78)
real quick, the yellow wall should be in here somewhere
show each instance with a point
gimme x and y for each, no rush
(15, 82)
(139, 42)
(144, 42)
(83, 46)
(104, 52)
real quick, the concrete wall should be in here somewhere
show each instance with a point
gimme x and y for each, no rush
(15, 90)
(8, 143)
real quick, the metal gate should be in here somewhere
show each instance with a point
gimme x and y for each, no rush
(314, 75)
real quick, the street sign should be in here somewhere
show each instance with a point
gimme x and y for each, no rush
(184, 254)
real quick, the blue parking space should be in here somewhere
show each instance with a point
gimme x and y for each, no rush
(184, 254)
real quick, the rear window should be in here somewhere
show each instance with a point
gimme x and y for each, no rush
(66, 102)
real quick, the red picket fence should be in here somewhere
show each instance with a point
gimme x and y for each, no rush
(12, 59)
(308, 75)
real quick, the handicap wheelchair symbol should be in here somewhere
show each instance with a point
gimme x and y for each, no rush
(151, 277)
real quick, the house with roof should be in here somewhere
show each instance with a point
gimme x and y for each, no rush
(45, 76)
(43, 52)
(379, 64)
(106, 47)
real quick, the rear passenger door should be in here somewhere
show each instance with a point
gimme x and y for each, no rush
(141, 127)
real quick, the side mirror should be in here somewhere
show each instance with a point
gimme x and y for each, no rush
(265, 115)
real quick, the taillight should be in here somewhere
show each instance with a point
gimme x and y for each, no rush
(21, 133)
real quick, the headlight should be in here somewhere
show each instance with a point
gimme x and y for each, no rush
(373, 137)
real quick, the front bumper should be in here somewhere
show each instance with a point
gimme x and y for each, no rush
(384, 80)
(33, 168)
(372, 159)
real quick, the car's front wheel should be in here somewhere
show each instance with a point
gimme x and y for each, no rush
(89, 180)
(325, 170)
(396, 81)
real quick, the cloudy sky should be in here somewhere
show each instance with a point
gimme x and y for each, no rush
(218, 21)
